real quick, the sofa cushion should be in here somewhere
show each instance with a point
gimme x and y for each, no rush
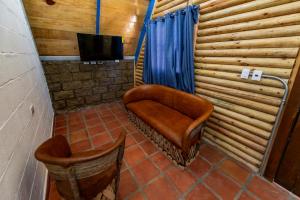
(167, 121)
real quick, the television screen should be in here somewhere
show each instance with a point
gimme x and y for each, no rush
(100, 47)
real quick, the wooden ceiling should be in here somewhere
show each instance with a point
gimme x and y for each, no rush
(55, 27)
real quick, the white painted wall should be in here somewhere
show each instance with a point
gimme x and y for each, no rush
(22, 85)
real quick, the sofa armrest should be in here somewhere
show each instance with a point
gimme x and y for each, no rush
(192, 132)
(134, 94)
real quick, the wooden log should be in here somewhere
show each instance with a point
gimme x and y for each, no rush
(233, 155)
(241, 125)
(243, 8)
(240, 101)
(169, 5)
(201, 2)
(253, 34)
(292, 19)
(172, 9)
(250, 53)
(234, 143)
(246, 134)
(240, 93)
(233, 149)
(283, 73)
(216, 5)
(256, 62)
(237, 77)
(162, 3)
(270, 91)
(243, 118)
(236, 137)
(280, 10)
(263, 118)
(281, 42)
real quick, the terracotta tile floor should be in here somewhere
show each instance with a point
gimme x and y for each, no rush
(149, 174)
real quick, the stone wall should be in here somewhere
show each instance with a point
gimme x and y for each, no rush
(73, 84)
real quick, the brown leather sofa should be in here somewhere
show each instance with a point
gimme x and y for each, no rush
(85, 175)
(171, 118)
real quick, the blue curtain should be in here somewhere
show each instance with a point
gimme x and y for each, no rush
(169, 57)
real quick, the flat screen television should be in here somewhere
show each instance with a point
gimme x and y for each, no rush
(100, 47)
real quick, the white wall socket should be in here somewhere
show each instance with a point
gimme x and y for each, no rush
(256, 75)
(245, 73)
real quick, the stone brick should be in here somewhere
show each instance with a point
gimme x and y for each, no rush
(75, 102)
(100, 90)
(83, 92)
(109, 95)
(63, 95)
(53, 78)
(92, 99)
(86, 68)
(88, 84)
(73, 67)
(114, 87)
(65, 77)
(120, 80)
(100, 74)
(127, 86)
(114, 73)
(51, 68)
(120, 93)
(80, 76)
(54, 87)
(72, 85)
(59, 105)
(106, 81)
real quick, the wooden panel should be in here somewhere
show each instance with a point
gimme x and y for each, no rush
(55, 27)
(232, 34)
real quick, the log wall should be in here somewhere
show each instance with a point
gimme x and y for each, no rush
(231, 35)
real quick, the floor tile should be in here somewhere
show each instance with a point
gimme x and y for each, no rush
(265, 190)
(161, 161)
(137, 196)
(101, 139)
(139, 137)
(93, 122)
(161, 189)
(134, 155)
(60, 131)
(80, 146)
(200, 192)
(115, 133)
(246, 196)
(112, 124)
(222, 185)
(236, 171)
(181, 178)
(129, 141)
(96, 130)
(199, 167)
(148, 147)
(145, 171)
(210, 154)
(127, 185)
(78, 136)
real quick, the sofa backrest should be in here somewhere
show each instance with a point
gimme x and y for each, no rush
(188, 104)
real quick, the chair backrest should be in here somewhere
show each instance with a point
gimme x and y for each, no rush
(189, 104)
(82, 175)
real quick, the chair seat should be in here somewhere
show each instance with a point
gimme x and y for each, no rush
(169, 122)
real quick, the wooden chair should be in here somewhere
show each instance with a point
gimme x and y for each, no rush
(92, 174)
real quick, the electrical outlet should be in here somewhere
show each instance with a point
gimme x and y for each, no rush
(245, 73)
(256, 75)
